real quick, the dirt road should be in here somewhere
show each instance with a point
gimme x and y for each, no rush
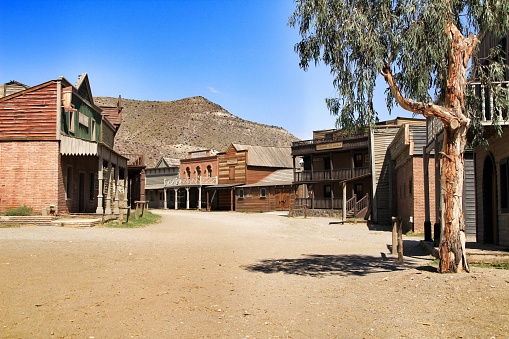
(233, 275)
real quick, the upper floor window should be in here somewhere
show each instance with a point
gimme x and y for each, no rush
(232, 173)
(72, 117)
(209, 171)
(357, 160)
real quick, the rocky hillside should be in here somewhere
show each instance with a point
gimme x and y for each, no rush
(173, 128)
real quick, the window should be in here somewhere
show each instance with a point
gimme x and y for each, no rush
(232, 173)
(263, 192)
(327, 191)
(93, 131)
(68, 183)
(504, 185)
(92, 187)
(71, 121)
(209, 171)
(357, 160)
(326, 163)
(198, 171)
(241, 193)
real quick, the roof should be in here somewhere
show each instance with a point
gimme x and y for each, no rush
(281, 177)
(166, 162)
(267, 156)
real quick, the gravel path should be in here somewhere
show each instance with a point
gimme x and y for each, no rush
(235, 275)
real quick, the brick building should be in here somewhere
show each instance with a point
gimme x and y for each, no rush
(409, 189)
(56, 151)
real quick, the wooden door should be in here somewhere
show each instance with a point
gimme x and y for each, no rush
(282, 199)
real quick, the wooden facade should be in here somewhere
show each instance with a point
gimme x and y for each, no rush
(347, 175)
(248, 168)
(51, 152)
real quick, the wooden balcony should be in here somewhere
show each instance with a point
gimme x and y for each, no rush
(196, 181)
(307, 147)
(331, 175)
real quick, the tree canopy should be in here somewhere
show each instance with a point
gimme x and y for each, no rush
(360, 39)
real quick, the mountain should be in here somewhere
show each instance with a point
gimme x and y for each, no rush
(173, 128)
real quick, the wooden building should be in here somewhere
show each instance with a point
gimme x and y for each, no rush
(348, 175)
(491, 164)
(408, 170)
(157, 179)
(56, 151)
(197, 172)
(246, 165)
(272, 193)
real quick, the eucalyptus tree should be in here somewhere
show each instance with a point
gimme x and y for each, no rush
(423, 49)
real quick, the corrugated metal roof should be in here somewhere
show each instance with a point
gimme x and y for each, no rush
(277, 178)
(266, 156)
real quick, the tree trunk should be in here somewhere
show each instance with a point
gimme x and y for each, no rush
(456, 124)
(452, 243)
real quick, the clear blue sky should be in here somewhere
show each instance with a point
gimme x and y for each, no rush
(236, 53)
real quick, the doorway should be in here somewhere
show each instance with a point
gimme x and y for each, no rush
(81, 194)
(489, 193)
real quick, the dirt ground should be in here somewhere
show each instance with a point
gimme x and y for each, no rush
(233, 275)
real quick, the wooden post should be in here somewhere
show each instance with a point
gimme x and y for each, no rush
(394, 236)
(400, 240)
(397, 238)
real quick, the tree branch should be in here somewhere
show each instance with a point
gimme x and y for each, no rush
(426, 109)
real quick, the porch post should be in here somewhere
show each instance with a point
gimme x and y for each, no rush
(187, 198)
(100, 209)
(165, 201)
(116, 209)
(176, 199)
(231, 199)
(108, 191)
(344, 201)
(332, 196)
(126, 183)
(199, 197)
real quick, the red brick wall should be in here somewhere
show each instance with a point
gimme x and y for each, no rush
(29, 174)
(78, 164)
(409, 192)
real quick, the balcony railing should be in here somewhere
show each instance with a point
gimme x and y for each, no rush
(190, 181)
(320, 203)
(489, 111)
(337, 174)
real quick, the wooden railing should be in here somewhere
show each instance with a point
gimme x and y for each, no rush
(320, 203)
(489, 111)
(337, 174)
(190, 181)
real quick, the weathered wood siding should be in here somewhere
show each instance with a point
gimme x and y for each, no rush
(273, 201)
(255, 174)
(235, 161)
(30, 116)
(382, 204)
(107, 135)
(469, 203)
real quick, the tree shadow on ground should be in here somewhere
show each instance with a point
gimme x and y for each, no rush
(316, 265)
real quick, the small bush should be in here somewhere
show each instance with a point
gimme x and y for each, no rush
(20, 211)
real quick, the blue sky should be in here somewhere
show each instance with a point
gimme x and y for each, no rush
(236, 53)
